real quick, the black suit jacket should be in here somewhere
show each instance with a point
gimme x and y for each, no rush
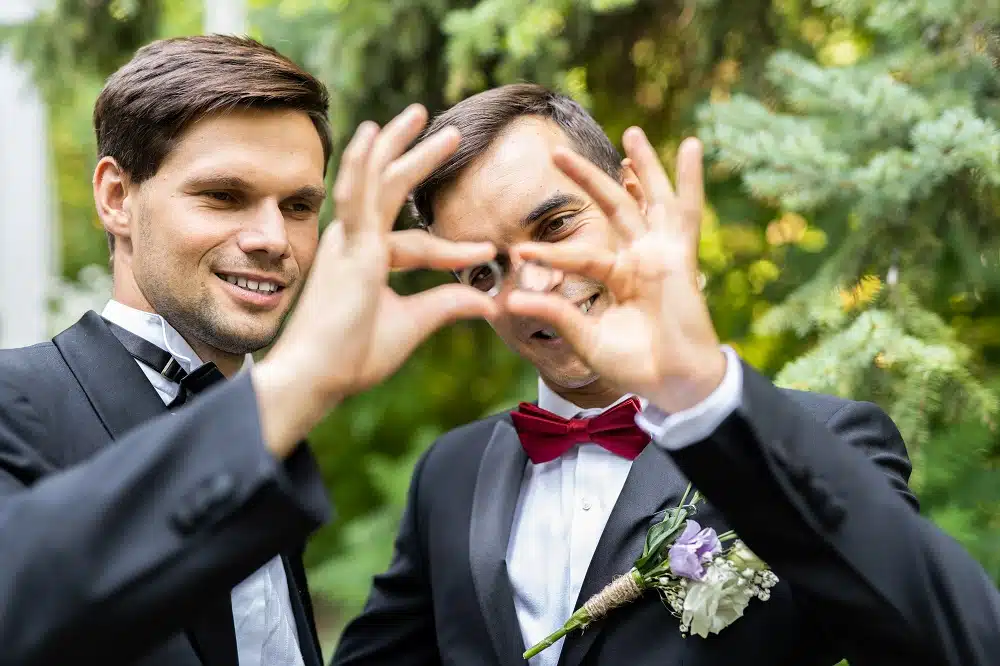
(815, 485)
(125, 526)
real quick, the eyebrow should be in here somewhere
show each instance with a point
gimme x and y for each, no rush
(554, 202)
(311, 193)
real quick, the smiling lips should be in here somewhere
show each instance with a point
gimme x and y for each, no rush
(549, 334)
(259, 286)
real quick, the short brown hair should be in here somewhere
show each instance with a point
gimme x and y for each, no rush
(483, 117)
(171, 83)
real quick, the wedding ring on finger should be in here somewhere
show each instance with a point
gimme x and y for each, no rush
(486, 277)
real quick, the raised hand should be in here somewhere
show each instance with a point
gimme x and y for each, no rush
(657, 339)
(350, 330)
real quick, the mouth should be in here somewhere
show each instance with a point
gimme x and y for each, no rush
(256, 286)
(548, 334)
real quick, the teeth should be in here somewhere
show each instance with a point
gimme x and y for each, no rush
(251, 285)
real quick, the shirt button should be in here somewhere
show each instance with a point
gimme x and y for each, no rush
(586, 505)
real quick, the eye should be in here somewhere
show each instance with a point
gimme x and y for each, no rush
(221, 197)
(555, 225)
(482, 279)
(300, 207)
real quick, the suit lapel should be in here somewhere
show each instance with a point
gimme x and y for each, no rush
(117, 389)
(123, 399)
(498, 485)
(654, 483)
(305, 622)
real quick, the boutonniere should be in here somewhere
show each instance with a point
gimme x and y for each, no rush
(702, 583)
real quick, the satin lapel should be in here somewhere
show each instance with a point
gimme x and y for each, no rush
(494, 501)
(123, 399)
(117, 389)
(654, 483)
(305, 623)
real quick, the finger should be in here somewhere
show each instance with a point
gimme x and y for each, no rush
(430, 310)
(575, 327)
(390, 144)
(654, 180)
(691, 185)
(613, 199)
(583, 260)
(415, 248)
(414, 166)
(350, 185)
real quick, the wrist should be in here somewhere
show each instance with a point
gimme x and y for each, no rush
(289, 405)
(703, 376)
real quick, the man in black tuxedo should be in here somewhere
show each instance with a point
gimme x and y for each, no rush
(142, 521)
(514, 521)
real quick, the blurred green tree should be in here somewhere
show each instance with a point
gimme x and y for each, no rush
(884, 133)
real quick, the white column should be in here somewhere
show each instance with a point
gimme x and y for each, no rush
(27, 239)
(227, 17)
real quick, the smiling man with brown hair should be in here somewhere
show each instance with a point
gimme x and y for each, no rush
(152, 513)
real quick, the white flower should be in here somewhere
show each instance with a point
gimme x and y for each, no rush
(745, 558)
(714, 602)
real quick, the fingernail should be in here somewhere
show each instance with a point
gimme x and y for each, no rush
(691, 143)
(635, 134)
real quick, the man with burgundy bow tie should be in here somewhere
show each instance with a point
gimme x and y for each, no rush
(514, 521)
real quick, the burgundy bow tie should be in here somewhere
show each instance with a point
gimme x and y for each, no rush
(546, 436)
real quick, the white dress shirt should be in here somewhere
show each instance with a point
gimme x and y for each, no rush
(565, 503)
(261, 602)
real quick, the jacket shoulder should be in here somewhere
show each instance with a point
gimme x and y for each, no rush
(27, 365)
(459, 450)
(823, 406)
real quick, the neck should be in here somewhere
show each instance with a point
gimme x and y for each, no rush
(592, 396)
(228, 364)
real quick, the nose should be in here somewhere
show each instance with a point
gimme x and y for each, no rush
(533, 276)
(265, 233)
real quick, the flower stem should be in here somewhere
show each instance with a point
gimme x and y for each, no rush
(624, 589)
(580, 618)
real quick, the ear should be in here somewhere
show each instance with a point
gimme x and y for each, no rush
(111, 195)
(632, 185)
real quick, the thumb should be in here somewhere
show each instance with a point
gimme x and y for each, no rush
(432, 309)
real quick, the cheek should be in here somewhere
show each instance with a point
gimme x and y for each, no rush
(595, 232)
(304, 241)
(504, 327)
(603, 233)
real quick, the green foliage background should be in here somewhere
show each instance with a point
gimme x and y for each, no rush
(850, 246)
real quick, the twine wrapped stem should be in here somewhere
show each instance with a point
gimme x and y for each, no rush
(623, 590)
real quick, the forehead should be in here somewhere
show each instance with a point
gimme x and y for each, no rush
(267, 147)
(497, 190)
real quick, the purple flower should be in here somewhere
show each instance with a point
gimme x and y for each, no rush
(692, 550)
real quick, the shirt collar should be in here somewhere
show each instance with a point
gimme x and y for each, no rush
(154, 328)
(551, 401)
